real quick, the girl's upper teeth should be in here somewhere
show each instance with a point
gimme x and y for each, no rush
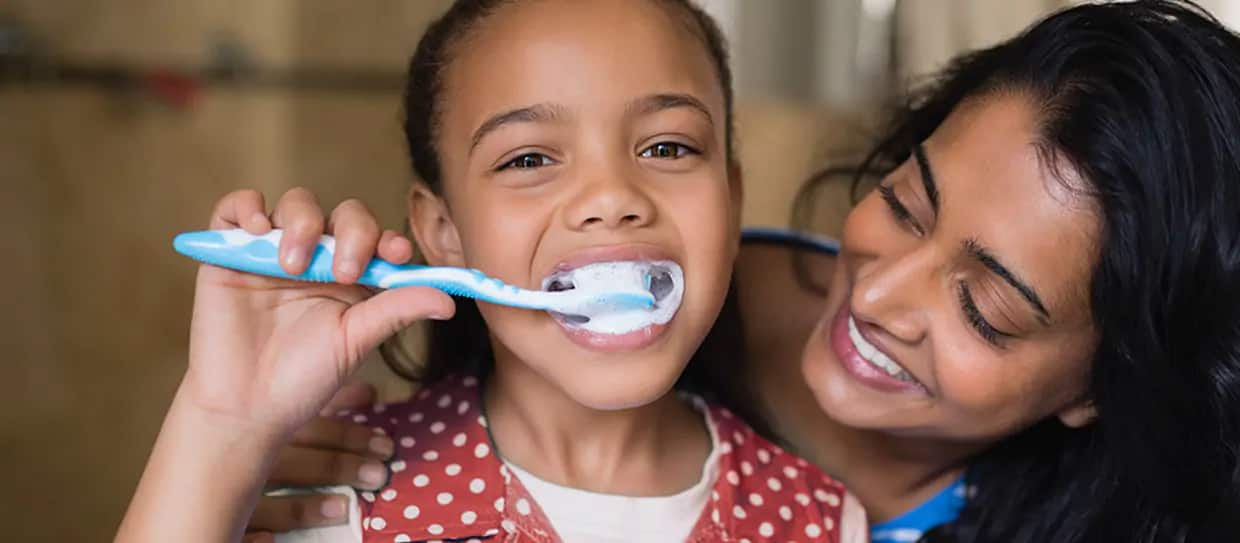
(872, 355)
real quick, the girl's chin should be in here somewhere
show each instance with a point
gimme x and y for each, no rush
(609, 387)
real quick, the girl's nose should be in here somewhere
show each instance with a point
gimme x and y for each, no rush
(609, 201)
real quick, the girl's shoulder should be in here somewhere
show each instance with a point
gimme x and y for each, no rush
(765, 492)
(445, 480)
(452, 403)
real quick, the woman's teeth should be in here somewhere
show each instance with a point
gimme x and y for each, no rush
(874, 356)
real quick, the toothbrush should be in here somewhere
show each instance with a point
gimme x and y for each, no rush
(242, 251)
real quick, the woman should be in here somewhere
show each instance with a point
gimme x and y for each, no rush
(1040, 299)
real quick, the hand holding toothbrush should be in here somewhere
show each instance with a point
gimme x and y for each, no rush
(266, 354)
(273, 351)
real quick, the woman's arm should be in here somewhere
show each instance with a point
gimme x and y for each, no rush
(781, 292)
(780, 308)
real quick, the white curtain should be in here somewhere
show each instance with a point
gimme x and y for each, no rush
(855, 53)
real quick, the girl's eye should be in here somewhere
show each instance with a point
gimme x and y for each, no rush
(898, 210)
(668, 150)
(527, 161)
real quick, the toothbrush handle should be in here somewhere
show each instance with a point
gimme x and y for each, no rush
(238, 250)
(320, 269)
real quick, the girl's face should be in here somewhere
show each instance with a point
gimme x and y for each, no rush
(574, 132)
(960, 306)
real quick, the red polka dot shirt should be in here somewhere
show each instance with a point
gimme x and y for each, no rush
(448, 484)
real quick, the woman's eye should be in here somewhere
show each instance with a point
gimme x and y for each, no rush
(668, 150)
(527, 161)
(973, 315)
(899, 210)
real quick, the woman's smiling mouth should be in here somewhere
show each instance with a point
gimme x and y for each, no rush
(863, 360)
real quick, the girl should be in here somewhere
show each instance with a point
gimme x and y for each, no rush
(546, 136)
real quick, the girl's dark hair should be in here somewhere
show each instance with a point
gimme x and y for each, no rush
(1142, 100)
(462, 345)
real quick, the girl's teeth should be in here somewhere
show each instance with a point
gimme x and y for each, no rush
(874, 356)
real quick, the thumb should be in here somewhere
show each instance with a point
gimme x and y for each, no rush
(368, 323)
(355, 395)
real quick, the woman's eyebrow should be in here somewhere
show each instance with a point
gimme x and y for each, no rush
(987, 259)
(659, 102)
(927, 176)
(537, 113)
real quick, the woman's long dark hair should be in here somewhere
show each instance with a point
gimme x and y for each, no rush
(462, 346)
(1142, 100)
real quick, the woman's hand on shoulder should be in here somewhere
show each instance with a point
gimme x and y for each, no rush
(327, 451)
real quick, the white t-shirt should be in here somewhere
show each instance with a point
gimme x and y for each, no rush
(581, 516)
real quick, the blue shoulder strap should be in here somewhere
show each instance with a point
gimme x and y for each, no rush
(791, 238)
(944, 507)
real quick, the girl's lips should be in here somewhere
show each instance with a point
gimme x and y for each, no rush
(858, 367)
(632, 341)
(635, 252)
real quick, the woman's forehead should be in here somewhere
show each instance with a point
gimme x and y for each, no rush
(997, 186)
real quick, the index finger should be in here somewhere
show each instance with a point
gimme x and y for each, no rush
(241, 209)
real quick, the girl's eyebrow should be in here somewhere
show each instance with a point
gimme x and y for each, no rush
(537, 113)
(659, 102)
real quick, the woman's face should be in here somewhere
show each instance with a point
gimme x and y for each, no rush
(960, 306)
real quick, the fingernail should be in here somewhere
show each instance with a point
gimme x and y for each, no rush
(382, 446)
(373, 474)
(332, 508)
(348, 269)
(293, 257)
(258, 219)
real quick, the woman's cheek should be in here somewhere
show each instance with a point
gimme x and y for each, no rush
(986, 395)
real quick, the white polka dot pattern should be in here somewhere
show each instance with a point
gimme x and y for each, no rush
(449, 485)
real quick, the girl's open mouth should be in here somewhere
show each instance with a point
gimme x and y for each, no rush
(622, 330)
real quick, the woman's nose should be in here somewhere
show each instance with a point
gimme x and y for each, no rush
(894, 293)
(609, 200)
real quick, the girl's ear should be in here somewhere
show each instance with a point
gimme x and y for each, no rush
(433, 229)
(1078, 415)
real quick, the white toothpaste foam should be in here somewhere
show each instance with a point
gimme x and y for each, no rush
(604, 276)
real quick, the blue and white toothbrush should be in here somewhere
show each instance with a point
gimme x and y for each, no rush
(242, 251)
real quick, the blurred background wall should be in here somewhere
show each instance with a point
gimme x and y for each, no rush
(122, 121)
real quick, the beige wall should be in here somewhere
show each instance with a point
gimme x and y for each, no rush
(98, 182)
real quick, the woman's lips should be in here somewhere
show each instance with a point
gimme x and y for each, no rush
(857, 366)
